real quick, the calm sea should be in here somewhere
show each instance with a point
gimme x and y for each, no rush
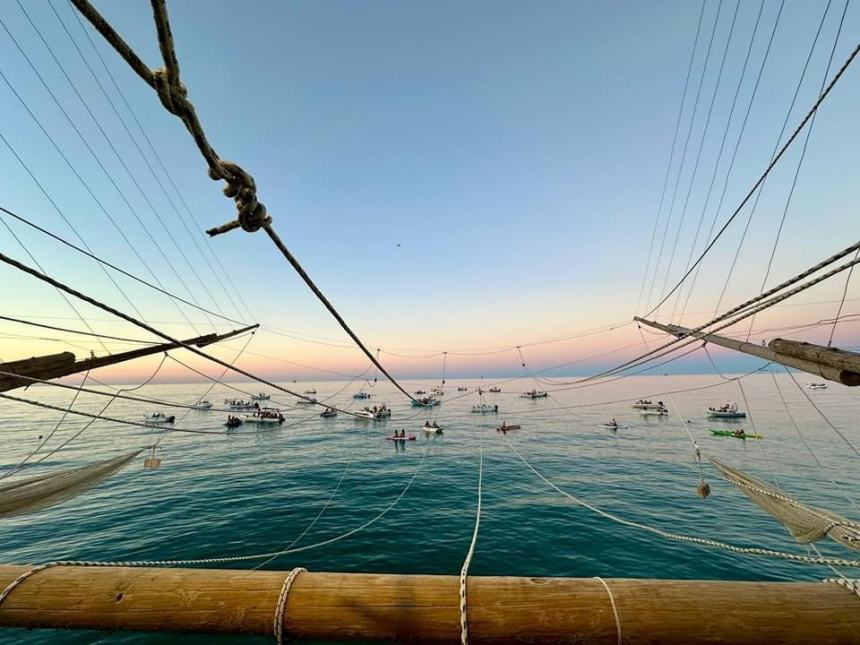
(248, 491)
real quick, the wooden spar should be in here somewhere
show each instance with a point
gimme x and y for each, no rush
(830, 364)
(58, 365)
(344, 606)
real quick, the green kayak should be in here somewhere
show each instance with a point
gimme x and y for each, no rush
(735, 434)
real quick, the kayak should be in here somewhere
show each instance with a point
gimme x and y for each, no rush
(409, 438)
(505, 428)
(732, 433)
(609, 426)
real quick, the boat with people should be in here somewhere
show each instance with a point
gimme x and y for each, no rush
(647, 404)
(817, 386)
(265, 416)
(495, 390)
(158, 418)
(202, 405)
(361, 395)
(310, 391)
(613, 425)
(328, 413)
(259, 396)
(311, 400)
(661, 412)
(233, 421)
(239, 404)
(462, 389)
(534, 394)
(485, 408)
(740, 433)
(726, 411)
(400, 437)
(431, 428)
(505, 427)
(376, 413)
(425, 402)
(420, 392)
(438, 391)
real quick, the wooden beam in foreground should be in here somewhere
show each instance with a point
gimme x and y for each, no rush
(59, 365)
(342, 606)
(831, 364)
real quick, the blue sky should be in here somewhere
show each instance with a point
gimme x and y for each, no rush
(514, 151)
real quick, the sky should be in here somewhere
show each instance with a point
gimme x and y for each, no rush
(461, 177)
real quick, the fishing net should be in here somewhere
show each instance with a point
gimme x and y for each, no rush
(35, 493)
(805, 523)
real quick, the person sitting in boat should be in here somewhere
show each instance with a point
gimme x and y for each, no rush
(495, 408)
(613, 423)
(402, 434)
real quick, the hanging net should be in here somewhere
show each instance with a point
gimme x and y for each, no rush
(805, 523)
(35, 493)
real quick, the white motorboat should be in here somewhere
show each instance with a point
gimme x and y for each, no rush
(260, 397)
(202, 405)
(726, 411)
(817, 386)
(361, 395)
(158, 418)
(328, 413)
(645, 404)
(310, 391)
(432, 428)
(425, 402)
(265, 417)
(654, 413)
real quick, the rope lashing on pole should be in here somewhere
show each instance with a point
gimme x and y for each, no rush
(251, 214)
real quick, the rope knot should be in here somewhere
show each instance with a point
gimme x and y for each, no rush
(243, 190)
(174, 96)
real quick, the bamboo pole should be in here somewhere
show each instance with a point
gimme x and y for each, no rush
(830, 364)
(344, 606)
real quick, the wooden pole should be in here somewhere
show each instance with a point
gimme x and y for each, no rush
(58, 365)
(830, 364)
(344, 606)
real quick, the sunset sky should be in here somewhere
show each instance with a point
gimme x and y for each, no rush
(456, 177)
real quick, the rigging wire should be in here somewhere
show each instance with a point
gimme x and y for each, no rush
(812, 111)
(671, 158)
(800, 160)
(684, 152)
(839, 316)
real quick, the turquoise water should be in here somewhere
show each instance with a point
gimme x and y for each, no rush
(248, 492)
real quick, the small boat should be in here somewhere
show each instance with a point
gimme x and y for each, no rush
(260, 397)
(485, 408)
(817, 386)
(505, 427)
(420, 392)
(645, 404)
(662, 412)
(462, 389)
(202, 405)
(238, 404)
(438, 391)
(265, 416)
(308, 401)
(310, 392)
(425, 402)
(432, 428)
(158, 418)
(496, 390)
(396, 438)
(233, 422)
(361, 395)
(613, 426)
(375, 413)
(737, 434)
(328, 413)
(534, 394)
(726, 411)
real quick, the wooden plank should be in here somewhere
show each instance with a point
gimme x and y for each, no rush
(814, 359)
(832, 356)
(341, 606)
